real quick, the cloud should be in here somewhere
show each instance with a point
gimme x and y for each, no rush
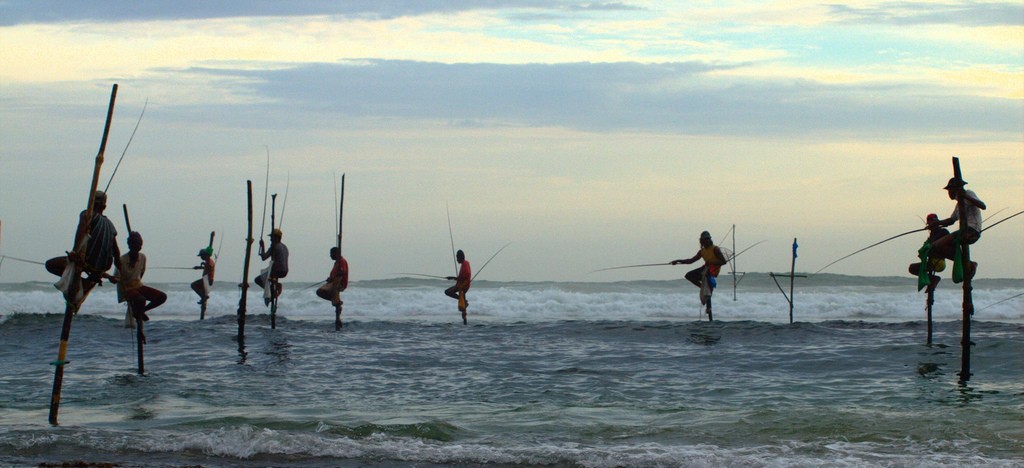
(685, 98)
(926, 13)
(56, 11)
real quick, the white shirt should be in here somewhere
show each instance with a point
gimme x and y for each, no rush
(973, 212)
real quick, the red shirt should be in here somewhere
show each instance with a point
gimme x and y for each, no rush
(465, 276)
(340, 270)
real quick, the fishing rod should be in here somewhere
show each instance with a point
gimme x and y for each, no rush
(452, 238)
(632, 266)
(670, 263)
(993, 215)
(1000, 302)
(22, 260)
(266, 191)
(870, 246)
(1004, 219)
(341, 211)
(132, 137)
(489, 261)
(219, 245)
(284, 204)
(422, 275)
(337, 214)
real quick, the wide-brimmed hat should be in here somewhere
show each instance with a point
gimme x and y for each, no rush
(954, 183)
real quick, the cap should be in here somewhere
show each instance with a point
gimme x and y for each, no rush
(276, 232)
(206, 250)
(100, 196)
(705, 235)
(932, 217)
(955, 183)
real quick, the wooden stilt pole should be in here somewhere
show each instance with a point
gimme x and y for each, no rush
(732, 263)
(341, 222)
(245, 274)
(140, 336)
(928, 307)
(271, 283)
(792, 279)
(968, 304)
(71, 302)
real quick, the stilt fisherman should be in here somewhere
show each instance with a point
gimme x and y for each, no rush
(704, 277)
(462, 282)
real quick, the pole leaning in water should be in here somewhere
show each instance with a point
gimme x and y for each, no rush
(140, 336)
(270, 284)
(968, 306)
(341, 217)
(245, 273)
(72, 302)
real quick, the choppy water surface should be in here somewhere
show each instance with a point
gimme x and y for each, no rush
(533, 380)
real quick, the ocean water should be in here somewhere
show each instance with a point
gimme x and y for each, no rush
(545, 374)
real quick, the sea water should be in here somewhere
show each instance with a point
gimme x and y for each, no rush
(544, 374)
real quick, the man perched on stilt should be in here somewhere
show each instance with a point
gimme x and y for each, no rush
(130, 269)
(278, 255)
(704, 277)
(462, 282)
(337, 280)
(202, 285)
(946, 246)
(100, 251)
(932, 263)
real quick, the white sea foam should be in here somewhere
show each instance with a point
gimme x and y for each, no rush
(533, 302)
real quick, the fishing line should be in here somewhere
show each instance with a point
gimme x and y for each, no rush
(489, 261)
(334, 184)
(868, 247)
(219, 245)
(266, 191)
(132, 137)
(1000, 302)
(1004, 219)
(284, 204)
(452, 237)
(22, 260)
(670, 263)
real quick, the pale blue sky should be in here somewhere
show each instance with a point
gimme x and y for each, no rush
(588, 134)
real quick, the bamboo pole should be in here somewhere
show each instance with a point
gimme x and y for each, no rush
(733, 264)
(271, 284)
(73, 303)
(140, 336)
(928, 307)
(968, 303)
(341, 221)
(792, 279)
(245, 274)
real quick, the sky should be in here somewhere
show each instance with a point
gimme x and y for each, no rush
(585, 134)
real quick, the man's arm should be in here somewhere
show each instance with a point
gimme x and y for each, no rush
(974, 200)
(687, 261)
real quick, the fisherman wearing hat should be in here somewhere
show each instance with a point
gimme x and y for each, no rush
(934, 264)
(945, 247)
(704, 277)
(100, 251)
(202, 285)
(278, 255)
